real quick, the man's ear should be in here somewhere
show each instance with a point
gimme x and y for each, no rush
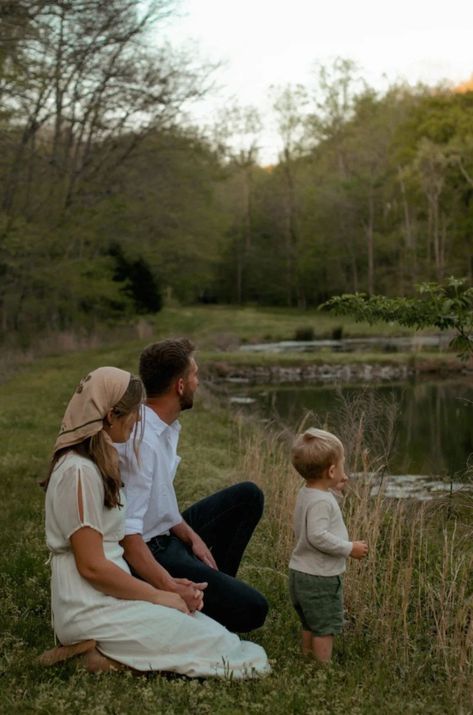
(180, 386)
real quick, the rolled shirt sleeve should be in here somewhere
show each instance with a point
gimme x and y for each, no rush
(138, 479)
(151, 507)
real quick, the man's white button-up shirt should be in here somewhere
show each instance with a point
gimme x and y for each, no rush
(151, 508)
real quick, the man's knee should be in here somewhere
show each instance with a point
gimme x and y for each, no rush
(251, 608)
(252, 615)
(250, 493)
(259, 611)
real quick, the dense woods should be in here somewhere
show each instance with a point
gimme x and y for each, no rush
(111, 202)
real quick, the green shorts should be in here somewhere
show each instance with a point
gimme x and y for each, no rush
(318, 601)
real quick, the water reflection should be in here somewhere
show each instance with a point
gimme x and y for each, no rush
(434, 422)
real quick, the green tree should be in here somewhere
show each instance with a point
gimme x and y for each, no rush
(81, 87)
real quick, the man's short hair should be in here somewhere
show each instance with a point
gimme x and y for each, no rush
(163, 362)
(314, 451)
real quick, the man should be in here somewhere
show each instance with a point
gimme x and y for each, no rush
(200, 549)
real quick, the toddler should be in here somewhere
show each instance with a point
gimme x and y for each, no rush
(322, 545)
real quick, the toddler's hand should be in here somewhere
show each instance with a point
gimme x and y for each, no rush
(359, 550)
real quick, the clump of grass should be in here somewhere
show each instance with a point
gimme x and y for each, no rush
(303, 333)
(412, 598)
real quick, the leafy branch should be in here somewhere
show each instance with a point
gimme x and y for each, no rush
(446, 306)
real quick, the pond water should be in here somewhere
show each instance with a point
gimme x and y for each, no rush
(433, 421)
(347, 345)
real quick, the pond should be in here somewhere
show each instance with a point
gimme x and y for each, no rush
(433, 421)
(376, 343)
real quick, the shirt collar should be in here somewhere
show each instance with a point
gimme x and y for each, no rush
(157, 424)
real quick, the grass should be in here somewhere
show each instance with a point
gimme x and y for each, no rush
(407, 647)
(224, 327)
(410, 605)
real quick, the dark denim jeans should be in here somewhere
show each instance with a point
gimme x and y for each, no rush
(225, 521)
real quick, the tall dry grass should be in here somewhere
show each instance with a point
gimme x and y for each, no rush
(412, 598)
(20, 352)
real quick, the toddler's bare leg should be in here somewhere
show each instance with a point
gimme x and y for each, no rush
(306, 643)
(322, 648)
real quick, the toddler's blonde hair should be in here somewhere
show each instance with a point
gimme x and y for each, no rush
(314, 451)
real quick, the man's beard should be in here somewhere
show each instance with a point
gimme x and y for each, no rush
(186, 400)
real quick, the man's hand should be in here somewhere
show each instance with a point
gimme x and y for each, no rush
(201, 550)
(359, 550)
(192, 593)
(184, 532)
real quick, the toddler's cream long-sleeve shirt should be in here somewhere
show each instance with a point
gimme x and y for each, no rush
(322, 544)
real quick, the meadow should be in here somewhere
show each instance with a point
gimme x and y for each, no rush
(219, 331)
(408, 642)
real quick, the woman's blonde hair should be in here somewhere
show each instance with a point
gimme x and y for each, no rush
(100, 449)
(314, 451)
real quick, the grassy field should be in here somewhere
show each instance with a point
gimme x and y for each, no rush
(219, 331)
(408, 643)
(212, 324)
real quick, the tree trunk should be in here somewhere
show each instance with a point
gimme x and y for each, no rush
(409, 237)
(370, 242)
(294, 290)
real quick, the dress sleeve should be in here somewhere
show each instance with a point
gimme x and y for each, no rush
(79, 500)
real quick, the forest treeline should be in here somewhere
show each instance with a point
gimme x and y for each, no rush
(111, 201)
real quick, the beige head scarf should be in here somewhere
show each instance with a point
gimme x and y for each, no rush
(95, 395)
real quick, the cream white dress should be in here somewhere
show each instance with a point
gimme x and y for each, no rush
(140, 634)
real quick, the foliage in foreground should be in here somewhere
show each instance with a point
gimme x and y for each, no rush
(447, 306)
(407, 647)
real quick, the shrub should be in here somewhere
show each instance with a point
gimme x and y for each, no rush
(304, 333)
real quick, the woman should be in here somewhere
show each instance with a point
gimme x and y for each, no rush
(94, 596)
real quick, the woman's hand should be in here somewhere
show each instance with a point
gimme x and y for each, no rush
(170, 600)
(107, 577)
(192, 593)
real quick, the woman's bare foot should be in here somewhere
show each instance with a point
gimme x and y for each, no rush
(95, 662)
(64, 652)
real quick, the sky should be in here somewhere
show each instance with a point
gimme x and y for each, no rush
(261, 43)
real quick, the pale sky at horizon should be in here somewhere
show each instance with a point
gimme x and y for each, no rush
(275, 42)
